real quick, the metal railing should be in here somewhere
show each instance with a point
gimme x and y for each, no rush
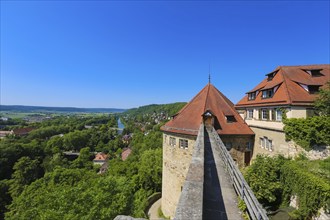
(254, 208)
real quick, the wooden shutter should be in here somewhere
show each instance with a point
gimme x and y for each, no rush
(273, 114)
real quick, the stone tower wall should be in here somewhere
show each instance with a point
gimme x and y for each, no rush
(176, 162)
(238, 146)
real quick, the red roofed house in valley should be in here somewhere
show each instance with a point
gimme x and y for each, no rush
(289, 88)
(209, 106)
(22, 131)
(100, 158)
(126, 152)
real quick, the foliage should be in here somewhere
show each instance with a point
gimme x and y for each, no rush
(72, 189)
(322, 103)
(26, 171)
(5, 198)
(274, 180)
(73, 194)
(263, 176)
(242, 206)
(313, 192)
(169, 109)
(308, 132)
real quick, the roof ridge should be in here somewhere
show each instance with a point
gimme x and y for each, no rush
(186, 106)
(304, 65)
(207, 96)
(286, 85)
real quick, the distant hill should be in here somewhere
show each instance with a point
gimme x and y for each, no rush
(32, 109)
(170, 109)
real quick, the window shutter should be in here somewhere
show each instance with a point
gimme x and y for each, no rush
(268, 115)
(273, 114)
(259, 114)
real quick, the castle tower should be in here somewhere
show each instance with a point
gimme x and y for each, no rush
(210, 107)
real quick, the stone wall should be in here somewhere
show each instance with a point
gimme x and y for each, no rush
(283, 147)
(176, 162)
(279, 145)
(238, 149)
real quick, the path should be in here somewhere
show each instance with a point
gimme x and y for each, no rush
(153, 211)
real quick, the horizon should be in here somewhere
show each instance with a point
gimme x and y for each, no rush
(124, 55)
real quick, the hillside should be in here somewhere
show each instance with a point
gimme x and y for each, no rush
(169, 109)
(42, 109)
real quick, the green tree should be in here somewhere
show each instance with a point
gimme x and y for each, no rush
(84, 159)
(76, 140)
(26, 171)
(322, 103)
(5, 198)
(150, 170)
(263, 176)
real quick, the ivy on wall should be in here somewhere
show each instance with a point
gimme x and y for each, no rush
(274, 180)
(313, 192)
(308, 132)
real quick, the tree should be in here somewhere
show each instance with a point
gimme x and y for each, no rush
(73, 194)
(5, 198)
(150, 170)
(322, 103)
(84, 159)
(26, 171)
(263, 176)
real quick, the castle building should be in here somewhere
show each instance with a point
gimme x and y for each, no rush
(288, 89)
(210, 107)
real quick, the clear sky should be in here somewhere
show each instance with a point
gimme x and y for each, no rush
(131, 53)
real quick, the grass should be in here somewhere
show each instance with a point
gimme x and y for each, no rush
(160, 213)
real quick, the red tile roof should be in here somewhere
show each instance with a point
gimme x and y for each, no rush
(126, 152)
(188, 120)
(289, 91)
(100, 156)
(22, 131)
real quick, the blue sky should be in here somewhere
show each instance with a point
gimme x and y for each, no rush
(131, 53)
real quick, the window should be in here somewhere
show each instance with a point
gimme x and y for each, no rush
(228, 145)
(230, 118)
(252, 96)
(261, 142)
(314, 72)
(271, 75)
(264, 114)
(249, 114)
(165, 139)
(278, 115)
(313, 89)
(183, 143)
(268, 93)
(266, 143)
(248, 146)
(172, 141)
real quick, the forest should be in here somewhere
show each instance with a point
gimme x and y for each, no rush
(37, 180)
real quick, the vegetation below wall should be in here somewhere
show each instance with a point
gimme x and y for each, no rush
(308, 132)
(275, 180)
(315, 130)
(37, 181)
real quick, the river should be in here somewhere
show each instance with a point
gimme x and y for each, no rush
(121, 126)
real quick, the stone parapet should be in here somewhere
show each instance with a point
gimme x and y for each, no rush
(190, 204)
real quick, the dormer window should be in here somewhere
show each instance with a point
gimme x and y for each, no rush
(314, 72)
(268, 93)
(271, 75)
(230, 118)
(252, 96)
(312, 89)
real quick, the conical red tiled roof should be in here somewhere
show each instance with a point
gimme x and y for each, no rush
(188, 120)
